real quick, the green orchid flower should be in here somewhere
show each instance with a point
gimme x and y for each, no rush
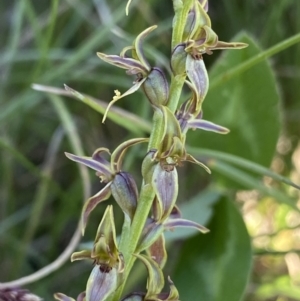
(118, 183)
(152, 80)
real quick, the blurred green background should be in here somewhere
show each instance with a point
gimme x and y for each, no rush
(54, 43)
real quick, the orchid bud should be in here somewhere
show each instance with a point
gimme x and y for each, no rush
(156, 87)
(178, 59)
(124, 191)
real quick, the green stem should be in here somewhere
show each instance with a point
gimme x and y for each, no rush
(157, 130)
(255, 60)
(125, 230)
(130, 237)
(175, 91)
(140, 217)
(128, 243)
(181, 13)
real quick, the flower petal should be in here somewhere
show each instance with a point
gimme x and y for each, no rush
(180, 222)
(101, 284)
(85, 254)
(201, 19)
(118, 154)
(157, 251)
(133, 65)
(207, 126)
(198, 76)
(165, 185)
(62, 297)
(229, 45)
(97, 155)
(81, 297)
(134, 88)
(191, 159)
(102, 169)
(92, 202)
(155, 281)
(175, 213)
(173, 295)
(211, 38)
(138, 43)
(150, 234)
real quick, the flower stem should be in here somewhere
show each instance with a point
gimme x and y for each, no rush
(142, 212)
(130, 237)
(175, 91)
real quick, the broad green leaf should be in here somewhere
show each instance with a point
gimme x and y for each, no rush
(216, 266)
(247, 104)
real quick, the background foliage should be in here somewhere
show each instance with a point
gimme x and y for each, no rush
(252, 250)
